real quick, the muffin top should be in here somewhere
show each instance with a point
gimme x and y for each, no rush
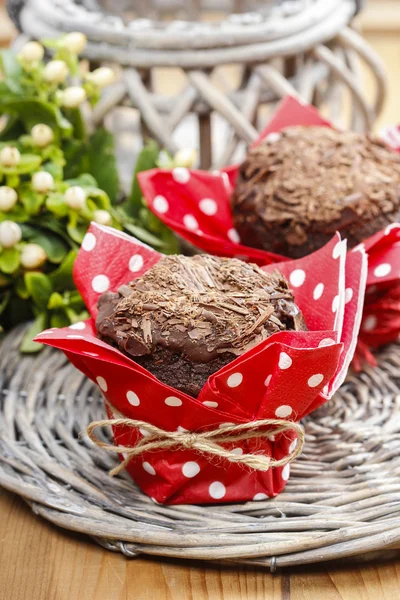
(200, 306)
(314, 174)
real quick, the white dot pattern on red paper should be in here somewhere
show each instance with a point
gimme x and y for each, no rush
(190, 222)
(102, 383)
(100, 283)
(217, 490)
(297, 277)
(210, 404)
(335, 304)
(315, 380)
(268, 380)
(75, 337)
(160, 204)
(285, 472)
(237, 451)
(234, 236)
(181, 174)
(340, 246)
(348, 295)
(190, 469)
(326, 342)
(136, 263)
(149, 468)
(318, 291)
(260, 496)
(370, 323)
(208, 206)
(285, 362)
(89, 242)
(382, 270)
(234, 380)
(283, 411)
(79, 325)
(293, 446)
(173, 401)
(132, 398)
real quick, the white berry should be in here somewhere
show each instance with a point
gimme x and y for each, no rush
(101, 77)
(75, 42)
(10, 234)
(102, 217)
(8, 198)
(31, 52)
(75, 197)
(56, 71)
(73, 96)
(42, 135)
(10, 156)
(33, 256)
(186, 157)
(42, 182)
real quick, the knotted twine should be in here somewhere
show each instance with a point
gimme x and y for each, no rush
(205, 442)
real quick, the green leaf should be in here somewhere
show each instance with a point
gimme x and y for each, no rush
(21, 289)
(18, 213)
(143, 235)
(4, 300)
(39, 287)
(54, 246)
(31, 200)
(55, 301)
(9, 260)
(28, 164)
(102, 162)
(54, 169)
(32, 111)
(59, 319)
(28, 346)
(45, 223)
(77, 232)
(74, 116)
(146, 160)
(12, 71)
(76, 158)
(84, 180)
(61, 278)
(55, 204)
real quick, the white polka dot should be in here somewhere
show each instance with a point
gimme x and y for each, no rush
(293, 446)
(237, 451)
(268, 380)
(285, 362)
(132, 398)
(181, 429)
(339, 248)
(100, 283)
(335, 304)
(148, 468)
(326, 342)
(234, 236)
(210, 404)
(173, 401)
(181, 174)
(79, 325)
(144, 432)
(283, 411)
(382, 270)
(370, 323)
(190, 222)
(260, 496)
(297, 277)
(285, 472)
(318, 291)
(208, 206)
(359, 248)
(234, 380)
(217, 490)
(315, 380)
(190, 469)
(136, 263)
(102, 383)
(160, 204)
(273, 137)
(75, 337)
(89, 242)
(348, 295)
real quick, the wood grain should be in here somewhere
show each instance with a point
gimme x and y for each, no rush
(41, 562)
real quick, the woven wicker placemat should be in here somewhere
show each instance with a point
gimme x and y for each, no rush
(342, 500)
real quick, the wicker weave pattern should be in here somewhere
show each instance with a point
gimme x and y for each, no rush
(343, 498)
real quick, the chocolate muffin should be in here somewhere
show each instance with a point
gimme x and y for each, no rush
(187, 317)
(295, 190)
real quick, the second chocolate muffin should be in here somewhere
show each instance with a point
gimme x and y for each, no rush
(189, 316)
(294, 191)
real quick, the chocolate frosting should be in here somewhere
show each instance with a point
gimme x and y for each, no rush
(299, 189)
(199, 307)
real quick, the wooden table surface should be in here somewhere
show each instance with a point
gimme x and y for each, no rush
(40, 562)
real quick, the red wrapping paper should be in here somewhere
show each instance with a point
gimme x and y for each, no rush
(196, 204)
(286, 376)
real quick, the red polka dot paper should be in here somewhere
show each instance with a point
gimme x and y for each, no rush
(196, 204)
(284, 377)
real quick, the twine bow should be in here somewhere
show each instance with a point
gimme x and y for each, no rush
(206, 442)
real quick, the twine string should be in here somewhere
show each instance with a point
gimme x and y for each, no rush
(205, 443)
